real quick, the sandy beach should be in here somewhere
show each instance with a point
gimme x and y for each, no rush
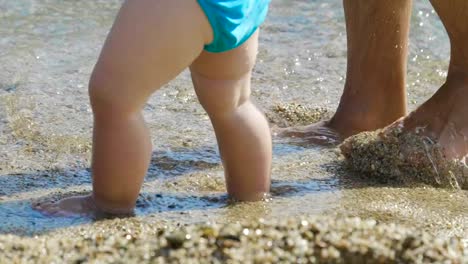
(319, 210)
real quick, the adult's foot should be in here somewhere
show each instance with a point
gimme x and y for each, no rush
(319, 133)
(348, 121)
(443, 118)
(438, 127)
(429, 145)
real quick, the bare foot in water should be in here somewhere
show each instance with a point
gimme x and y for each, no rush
(343, 124)
(68, 207)
(429, 145)
(319, 134)
(75, 206)
(443, 118)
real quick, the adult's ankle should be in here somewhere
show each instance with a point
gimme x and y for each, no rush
(348, 122)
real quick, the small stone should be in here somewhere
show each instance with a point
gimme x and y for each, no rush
(176, 240)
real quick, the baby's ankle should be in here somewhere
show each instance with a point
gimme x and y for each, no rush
(111, 208)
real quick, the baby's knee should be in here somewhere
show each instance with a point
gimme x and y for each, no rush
(221, 97)
(223, 107)
(99, 91)
(106, 97)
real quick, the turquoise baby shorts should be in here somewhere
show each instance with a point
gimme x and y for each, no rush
(233, 21)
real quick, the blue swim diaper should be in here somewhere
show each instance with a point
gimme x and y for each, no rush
(233, 21)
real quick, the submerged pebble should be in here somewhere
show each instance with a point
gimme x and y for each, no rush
(403, 157)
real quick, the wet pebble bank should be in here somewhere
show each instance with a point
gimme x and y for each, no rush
(311, 240)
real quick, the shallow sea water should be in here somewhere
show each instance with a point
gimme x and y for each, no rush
(48, 49)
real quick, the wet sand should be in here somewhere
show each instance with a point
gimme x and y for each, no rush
(48, 49)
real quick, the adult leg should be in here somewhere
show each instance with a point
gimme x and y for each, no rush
(150, 43)
(222, 83)
(374, 92)
(443, 116)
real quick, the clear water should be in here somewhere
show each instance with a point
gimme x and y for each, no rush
(48, 49)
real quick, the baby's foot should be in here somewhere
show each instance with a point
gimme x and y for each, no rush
(69, 207)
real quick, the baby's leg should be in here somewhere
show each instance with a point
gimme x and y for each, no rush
(222, 83)
(150, 43)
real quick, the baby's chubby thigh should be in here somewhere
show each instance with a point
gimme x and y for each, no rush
(222, 80)
(150, 43)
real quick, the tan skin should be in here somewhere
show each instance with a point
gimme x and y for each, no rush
(145, 49)
(374, 94)
(444, 117)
